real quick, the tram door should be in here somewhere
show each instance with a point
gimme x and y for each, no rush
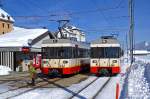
(37, 60)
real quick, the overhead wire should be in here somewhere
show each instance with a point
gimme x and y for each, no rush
(110, 18)
(34, 17)
(100, 12)
(69, 13)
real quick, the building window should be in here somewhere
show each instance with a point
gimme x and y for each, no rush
(8, 17)
(65, 35)
(3, 25)
(3, 16)
(8, 26)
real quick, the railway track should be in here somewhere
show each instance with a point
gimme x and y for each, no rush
(14, 76)
(83, 88)
(94, 97)
(12, 79)
(39, 85)
(77, 94)
(46, 82)
(80, 93)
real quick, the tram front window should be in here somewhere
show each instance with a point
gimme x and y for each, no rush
(57, 52)
(105, 52)
(63, 53)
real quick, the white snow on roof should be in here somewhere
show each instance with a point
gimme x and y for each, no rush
(20, 37)
(141, 52)
(5, 16)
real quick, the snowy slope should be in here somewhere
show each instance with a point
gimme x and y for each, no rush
(20, 36)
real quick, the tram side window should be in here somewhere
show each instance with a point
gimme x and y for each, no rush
(60, 53)
(74, 53)
(44, 52)
(80, 53)
(64, 52)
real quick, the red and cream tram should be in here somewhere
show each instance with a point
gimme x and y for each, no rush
(64, 56)
(105, 56)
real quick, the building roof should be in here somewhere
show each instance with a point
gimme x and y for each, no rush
(20, 37)
(141, 52)
(70, 29)
(5, 16)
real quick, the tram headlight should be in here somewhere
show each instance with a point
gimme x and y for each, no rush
(94, 61)
(65, 62)
(114, 61)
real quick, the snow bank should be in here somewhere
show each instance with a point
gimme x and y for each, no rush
(137, 85)
(143, 58)
(4, 70)
(125, 64)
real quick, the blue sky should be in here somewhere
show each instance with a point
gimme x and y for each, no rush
(85, 16)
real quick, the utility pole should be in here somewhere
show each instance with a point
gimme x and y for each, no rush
(127, 48)
(131, 29)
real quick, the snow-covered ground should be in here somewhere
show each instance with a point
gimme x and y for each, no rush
(4, 70)
(49, 93)
(64, 93)
(109, 92)
(90, 91)
(135, 86)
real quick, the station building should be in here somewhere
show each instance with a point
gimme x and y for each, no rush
(19, 45)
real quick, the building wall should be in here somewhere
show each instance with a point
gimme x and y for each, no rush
(5, 27)
(74, 33)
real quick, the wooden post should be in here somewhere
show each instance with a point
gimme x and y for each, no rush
(117, 91)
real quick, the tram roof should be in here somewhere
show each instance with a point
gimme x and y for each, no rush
(106, 40)
(64, 42)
